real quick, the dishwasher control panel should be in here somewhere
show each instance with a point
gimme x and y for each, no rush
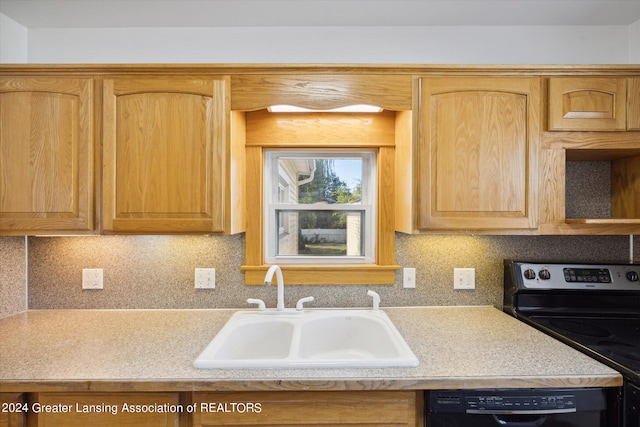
(520, 404)
(516, 401)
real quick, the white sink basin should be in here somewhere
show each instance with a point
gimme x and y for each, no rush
(308, 339)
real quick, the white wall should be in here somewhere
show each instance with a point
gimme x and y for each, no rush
(13, 41)
(634, 43)
(446, 45)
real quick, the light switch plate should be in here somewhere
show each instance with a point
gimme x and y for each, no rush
(205, 278)
(409, 278)
(464, 278)
(92, 278)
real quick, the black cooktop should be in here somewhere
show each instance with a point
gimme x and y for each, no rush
(615, 341)
(592, 307)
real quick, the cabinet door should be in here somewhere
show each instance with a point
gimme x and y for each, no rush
(13, 410)
(164, 146)
(106, 410)
(587, 103)
(477, 153)
(633, 112)
(46, 155)
(335, 409)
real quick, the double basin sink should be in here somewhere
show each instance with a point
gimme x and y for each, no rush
(332, 338)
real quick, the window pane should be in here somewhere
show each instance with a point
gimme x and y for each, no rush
(320, 205)
(320, 233)
(324, 180)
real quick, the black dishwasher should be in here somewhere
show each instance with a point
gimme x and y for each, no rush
(582, 407)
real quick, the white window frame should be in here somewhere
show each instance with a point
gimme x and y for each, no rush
(368, 206)
(283, 193)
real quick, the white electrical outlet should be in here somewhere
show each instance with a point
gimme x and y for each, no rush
(205, 278)
(409, 278)
(92, 278)
(464, 278)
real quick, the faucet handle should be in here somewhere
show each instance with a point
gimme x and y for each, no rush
(376, 299)
(301, 301)
(261, 306)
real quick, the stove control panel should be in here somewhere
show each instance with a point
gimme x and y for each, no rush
(578, 276)
(587, 275)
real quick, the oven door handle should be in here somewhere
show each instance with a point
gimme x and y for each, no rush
(522, 412)
(537, 422)
(525, 418)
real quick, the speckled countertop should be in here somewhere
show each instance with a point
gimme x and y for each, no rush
(143, 350)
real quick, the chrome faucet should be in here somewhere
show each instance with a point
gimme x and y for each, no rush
(280, 282)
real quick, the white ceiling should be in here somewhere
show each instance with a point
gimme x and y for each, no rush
(283, 13)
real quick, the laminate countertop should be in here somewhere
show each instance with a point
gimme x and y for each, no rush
(154, 350)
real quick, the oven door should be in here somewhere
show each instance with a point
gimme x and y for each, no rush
(517, 408)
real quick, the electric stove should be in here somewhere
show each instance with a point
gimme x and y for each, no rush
(594, 308)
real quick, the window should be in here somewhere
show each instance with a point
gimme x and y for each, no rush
(320, 206)
(284, 214)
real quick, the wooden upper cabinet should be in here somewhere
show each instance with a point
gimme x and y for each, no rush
(46, 155)
(587, 103)
(164, 155)
(477, 153)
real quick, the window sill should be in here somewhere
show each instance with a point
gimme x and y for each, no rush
(330, 274)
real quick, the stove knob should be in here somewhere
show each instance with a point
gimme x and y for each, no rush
(529, 274)
(544, 274)
(632, 276)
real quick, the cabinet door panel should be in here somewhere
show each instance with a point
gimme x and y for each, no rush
(108, 410)
(587, 103)
(156, 176)
(164, 147)
(14, 415)
(488, 176)
(341, 408)
(46, 155)
(477, 153)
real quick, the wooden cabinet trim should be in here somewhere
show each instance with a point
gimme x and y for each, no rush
(313, 130)
(84, 70)
(331, 274)
(389, 91)
(633, 102)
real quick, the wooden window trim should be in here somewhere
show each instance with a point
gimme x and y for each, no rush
(382, 272)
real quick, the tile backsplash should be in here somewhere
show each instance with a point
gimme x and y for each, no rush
(147, 272)
(13, 292)
(588, 192)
